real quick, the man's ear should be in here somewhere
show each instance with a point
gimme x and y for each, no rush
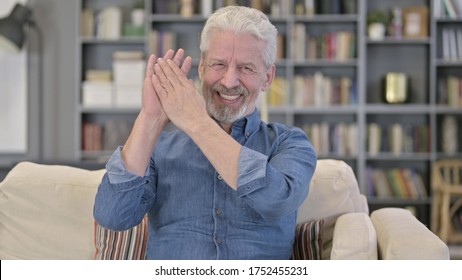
(269, 77)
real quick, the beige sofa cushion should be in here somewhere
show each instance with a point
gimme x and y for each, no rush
(46, 212)
(401, 236)
(354, 238)
(333, 191)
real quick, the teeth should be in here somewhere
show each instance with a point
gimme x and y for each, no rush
(229, 97)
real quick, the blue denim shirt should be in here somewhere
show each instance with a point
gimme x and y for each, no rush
(194, 214)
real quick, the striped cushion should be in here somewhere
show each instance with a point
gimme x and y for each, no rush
(121, 245)
(308, 241)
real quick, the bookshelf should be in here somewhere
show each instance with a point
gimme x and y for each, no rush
(348, 118)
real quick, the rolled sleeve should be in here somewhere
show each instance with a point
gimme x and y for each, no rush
(276, 186)
(117, 171)
(252, 166)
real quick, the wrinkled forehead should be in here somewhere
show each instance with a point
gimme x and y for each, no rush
(238, 47)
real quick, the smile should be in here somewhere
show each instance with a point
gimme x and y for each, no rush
(229, 97)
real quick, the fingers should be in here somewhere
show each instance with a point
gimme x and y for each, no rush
(178, 57)
(187, 64)
(150, 66)
(160, 83)
(168, 71)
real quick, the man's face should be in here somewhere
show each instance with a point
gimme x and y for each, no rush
(233, 74)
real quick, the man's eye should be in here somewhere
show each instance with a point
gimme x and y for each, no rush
(247, 70)
(217, 66)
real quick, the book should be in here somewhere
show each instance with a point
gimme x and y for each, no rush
(374, 133)
(94, 75)
(449, 8)
(87, 23)
(395, 185)
(382, 187)
(128, 55)
(92, 137)
(97, 94)
(397, 139)
(206, 7)
(109, 23)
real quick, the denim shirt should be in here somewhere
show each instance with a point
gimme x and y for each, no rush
(194, 214)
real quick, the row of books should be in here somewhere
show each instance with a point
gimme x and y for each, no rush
(108, 23)
(450, 91)
(161, 41)
(397, 138)
(452, 44)
(185, 8)
(447, 8)
(312, 7)
(395, 183)
(319, 90)
(270, 7)
(104, 24)
(339, 139)
(277, 93)
(105, 136)
(337, 46)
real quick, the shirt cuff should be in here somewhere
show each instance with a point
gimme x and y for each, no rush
(252, 166)
(117, 171)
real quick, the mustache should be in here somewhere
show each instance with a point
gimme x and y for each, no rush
(240, 90)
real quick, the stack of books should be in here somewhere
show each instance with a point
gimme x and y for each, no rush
(128, 70)
(97, 89)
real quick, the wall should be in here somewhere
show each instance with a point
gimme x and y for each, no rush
(56, 19)
(13, 94)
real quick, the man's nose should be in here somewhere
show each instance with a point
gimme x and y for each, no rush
(230, 78)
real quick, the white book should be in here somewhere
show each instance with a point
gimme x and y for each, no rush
(374, 138)
(206, 7)
(316, 137)
(459, 43)
(325, 139)
(397, 137)
(309, 7)
(445, 43)
(299, 90)
(127, 96)
(300, 41)
(97, 94)
(437, 8)
(353, 143)
(452, 44)
(128, 72)
(318, 89)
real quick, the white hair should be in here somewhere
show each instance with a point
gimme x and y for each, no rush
(246, 20)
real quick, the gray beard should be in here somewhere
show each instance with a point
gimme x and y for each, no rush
(226, 114)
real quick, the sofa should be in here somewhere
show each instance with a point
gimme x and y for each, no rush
(46, 213)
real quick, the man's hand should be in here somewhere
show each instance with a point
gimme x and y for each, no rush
(181, 101)
(152, 119)
(150, 101)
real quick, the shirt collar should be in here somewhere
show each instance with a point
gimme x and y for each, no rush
(247, 124)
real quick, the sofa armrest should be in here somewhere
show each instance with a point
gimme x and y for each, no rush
(401, 236)
(354, 238)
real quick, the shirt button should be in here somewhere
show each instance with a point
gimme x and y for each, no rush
(220, 178)
(218, 212)
(219, 241)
